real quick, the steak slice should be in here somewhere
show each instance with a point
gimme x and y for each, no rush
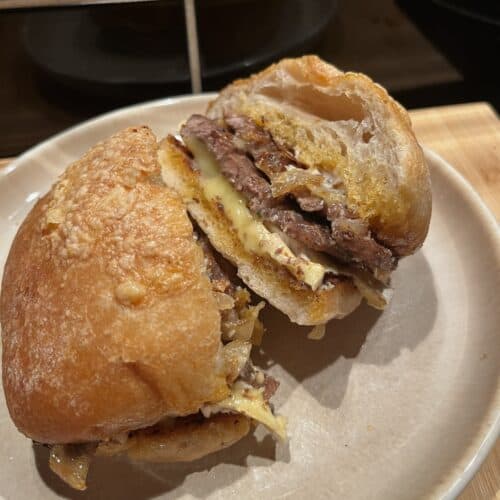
(233, 162)
(258, 142)
(356, 239)
(311, 234)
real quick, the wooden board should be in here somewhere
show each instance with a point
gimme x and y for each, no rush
(468, 136)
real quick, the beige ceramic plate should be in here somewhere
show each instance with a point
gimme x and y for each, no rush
(399, 404)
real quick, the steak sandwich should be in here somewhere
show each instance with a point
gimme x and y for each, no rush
(310, 181)
(122, 331)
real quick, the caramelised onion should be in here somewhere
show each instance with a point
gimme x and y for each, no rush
(236, 354)
(71, 463)
(242, 321)
(224, 301)
(376, 293)
(317, 333)
(296, 180)
(249, 327)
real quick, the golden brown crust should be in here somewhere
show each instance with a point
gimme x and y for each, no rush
(268, 279)
(345, 123)
(184, 442)
(100, 303)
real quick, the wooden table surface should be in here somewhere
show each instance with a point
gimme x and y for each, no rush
(468, 136)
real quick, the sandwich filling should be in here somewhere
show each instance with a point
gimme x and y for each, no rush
(218, 424)
(283, 210)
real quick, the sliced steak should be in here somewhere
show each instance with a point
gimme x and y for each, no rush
(233, 162)
(245, 177)
(313, 235)
(353, 235)
(258, 142)
(347, 239)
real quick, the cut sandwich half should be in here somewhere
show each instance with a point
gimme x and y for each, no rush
(122, 331)
(310, 181)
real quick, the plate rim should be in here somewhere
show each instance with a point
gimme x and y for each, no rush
(452, 485)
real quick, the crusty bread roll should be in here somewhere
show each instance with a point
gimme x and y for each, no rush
(101, 301)
(340, 128)
(347, 123)
(122, 330)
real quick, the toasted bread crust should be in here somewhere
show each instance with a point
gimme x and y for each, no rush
(101, 300)
(184, 442)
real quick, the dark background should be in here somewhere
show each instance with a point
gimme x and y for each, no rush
(61, 66)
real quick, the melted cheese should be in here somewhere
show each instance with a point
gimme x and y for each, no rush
(250, 402)
(252, 233)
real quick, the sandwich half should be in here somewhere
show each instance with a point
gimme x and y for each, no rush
(310, 181)
(122, 331)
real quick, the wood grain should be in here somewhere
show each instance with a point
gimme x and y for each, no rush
(468, 136)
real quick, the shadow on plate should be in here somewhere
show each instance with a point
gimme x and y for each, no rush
(117, 478)
(366, 336)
